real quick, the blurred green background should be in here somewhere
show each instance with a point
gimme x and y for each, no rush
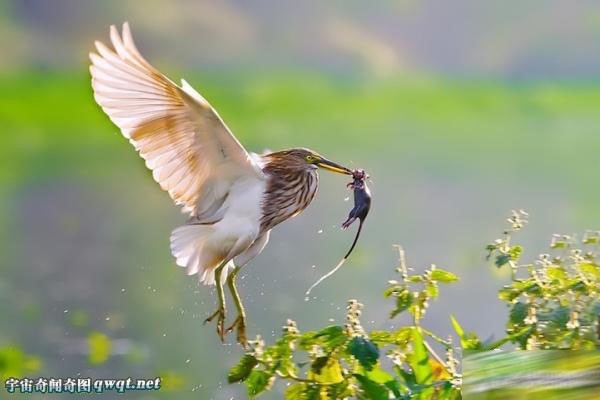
(459, 111)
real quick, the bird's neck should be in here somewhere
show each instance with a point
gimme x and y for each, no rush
(287, 193)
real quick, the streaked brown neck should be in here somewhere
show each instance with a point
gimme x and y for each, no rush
(290, 189)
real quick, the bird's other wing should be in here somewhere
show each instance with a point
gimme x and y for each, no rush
(190, 150)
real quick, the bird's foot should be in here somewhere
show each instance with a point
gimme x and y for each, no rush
(240, 324)
(220, 315)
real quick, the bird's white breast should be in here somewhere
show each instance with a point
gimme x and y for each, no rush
(243, 212)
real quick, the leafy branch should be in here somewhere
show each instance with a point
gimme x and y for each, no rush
(344, 361)
(554, 303)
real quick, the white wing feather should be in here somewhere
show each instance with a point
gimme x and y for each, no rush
(190, 150)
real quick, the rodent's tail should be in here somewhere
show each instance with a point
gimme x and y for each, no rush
(360, 224)
(339, 265)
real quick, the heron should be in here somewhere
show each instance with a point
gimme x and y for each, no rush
(233, 198)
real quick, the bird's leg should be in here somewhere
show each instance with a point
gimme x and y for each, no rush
(220, 313)
(240, 321)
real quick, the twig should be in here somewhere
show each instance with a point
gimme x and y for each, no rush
(403, 268)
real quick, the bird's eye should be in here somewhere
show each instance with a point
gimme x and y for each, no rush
(310, 158)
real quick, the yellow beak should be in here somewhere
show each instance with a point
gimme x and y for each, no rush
(333, 167)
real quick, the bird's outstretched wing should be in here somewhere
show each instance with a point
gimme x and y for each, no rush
(190, 150)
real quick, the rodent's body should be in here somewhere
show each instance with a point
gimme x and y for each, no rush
(362, 204)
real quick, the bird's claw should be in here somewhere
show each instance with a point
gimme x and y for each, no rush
(220, 315)
(240, 324)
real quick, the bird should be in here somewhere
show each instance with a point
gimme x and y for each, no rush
(233, 198)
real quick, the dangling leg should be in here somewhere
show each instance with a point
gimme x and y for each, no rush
(240, 321)
(220, 313)
(240, 261)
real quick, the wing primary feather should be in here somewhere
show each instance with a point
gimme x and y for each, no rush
(190, 150)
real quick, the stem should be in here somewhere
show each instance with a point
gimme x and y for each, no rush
(303, 380)
(436, 338)
(437, 358)
(403, 268)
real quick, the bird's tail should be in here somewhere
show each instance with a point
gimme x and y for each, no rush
(192, 247)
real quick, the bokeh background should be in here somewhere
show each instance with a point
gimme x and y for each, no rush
(459, 110)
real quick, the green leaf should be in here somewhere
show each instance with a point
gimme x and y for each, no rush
(330, 331)
(491, 247)
(443, 276)
(432, 290)
(404, 299)
(295, 392)
(502, 260)
(515, 252)
(508, 294)
(534, 289)
(394, 386)
(379, 375)
(365, 351)
(457, 328)
(329, 373)
(494, 345)
(408, 377)
(518, 313)
(243, 369)
(468, 341)
(522, 335)
(400, 337)
(560, 316)
(580, 287)
(99, 348)
(591, 269)
(318, 364)
(382, 337)
(557, 273)
(330, 338)
(257, 382)
(391, 290)
(303, 391)
(419, 360)
(371, 390)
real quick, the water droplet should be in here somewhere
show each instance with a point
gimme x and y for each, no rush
(66, 311)
(307, 298)
(187, 361)
(108, 318)
(123, 290)
(320, 231)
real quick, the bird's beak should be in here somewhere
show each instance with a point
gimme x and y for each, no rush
(333, 167)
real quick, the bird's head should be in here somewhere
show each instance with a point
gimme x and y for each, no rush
(309, 159)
